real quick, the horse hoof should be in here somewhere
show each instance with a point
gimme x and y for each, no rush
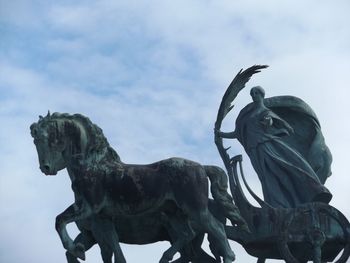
(79, 251)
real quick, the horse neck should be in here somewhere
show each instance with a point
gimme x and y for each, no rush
(86, 147)
(76, 142)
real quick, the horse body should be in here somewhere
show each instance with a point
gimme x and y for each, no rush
(128, 190)
(102, 184)
(140, 189)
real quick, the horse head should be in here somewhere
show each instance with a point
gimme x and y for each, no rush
(50, 142)
(62, 139)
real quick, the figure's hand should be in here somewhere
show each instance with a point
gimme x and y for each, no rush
(217, 135)
(267, 121)
(217, 132)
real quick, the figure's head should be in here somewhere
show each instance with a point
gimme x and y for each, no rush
(257, 93)
(49, 145)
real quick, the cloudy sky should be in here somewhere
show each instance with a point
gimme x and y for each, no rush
(151, 74)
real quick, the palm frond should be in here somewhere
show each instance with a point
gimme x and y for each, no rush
(237, 84)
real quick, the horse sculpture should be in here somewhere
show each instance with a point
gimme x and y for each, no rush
(108, 189)
(150, 228)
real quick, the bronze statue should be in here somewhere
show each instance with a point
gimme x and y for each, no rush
(282, 137)
(106, 187)
(168, 200)
(287, 178)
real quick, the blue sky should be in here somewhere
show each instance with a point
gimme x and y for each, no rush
(151, 74)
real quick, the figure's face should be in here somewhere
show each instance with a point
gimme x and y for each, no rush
(49, 148)
(257, 95)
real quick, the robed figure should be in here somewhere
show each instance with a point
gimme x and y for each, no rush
(282, 138)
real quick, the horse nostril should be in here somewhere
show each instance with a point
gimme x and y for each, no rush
(46, 167)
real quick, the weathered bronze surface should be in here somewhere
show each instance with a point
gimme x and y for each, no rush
(168, 200)
(290, 157)
(283, 140)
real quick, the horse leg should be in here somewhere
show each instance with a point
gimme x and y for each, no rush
(192, 251)
(175, 247)
(71, 214)
(108, 240)
(184, 253)
(215, 250)
(216, 230)
(188, 253)
(198, 255)
(106, 255)
(181, 233)
(86, 240)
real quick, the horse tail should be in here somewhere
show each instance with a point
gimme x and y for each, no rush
(218, 189)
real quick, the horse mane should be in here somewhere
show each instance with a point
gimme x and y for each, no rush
(97, 141)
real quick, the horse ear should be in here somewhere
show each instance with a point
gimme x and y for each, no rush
(48, 114)
(40, 117)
